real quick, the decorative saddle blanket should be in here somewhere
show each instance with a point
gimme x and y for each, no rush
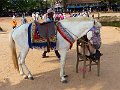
(42, 35)
(65, 34)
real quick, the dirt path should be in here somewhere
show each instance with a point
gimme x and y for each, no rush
(46, 71)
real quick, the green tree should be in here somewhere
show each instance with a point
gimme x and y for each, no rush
(110, 1)
(64, 3)
(4, 5)
(22, 5)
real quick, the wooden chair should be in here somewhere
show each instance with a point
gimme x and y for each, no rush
(83, 58)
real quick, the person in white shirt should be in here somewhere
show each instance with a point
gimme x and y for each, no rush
(33, 16)
(23, 20)
(36, 17)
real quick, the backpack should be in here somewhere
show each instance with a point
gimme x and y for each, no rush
(96, 39)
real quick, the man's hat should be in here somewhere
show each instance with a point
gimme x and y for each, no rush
(50, 10)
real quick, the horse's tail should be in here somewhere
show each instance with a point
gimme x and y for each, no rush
(13, 50)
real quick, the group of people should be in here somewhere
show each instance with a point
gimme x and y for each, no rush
(83, 13)
(35, 16)
(59, 16)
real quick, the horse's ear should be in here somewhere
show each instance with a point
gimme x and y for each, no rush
(97, 24)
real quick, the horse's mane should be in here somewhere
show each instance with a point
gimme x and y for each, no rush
(77, 19)
(81, 19)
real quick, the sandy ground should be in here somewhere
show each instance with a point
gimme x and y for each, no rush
(46, 71)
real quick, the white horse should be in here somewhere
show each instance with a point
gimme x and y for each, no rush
(77, 27)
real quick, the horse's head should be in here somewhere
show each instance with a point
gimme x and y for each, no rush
(94, 36)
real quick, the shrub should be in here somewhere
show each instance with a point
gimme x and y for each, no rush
(110, 21)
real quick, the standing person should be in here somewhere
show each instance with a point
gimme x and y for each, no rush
(23, 20)
(49, 17)
(64, 15)
(14, 22)
(61, 16)
(33, 16)
(57, 16)
(41, 15)
(37, 17)
(90, 10)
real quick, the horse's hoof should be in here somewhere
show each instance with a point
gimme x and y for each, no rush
(64, 81)
(21, 74)
(31, 78)
(25, 77)
(45, 56)
(65, 76)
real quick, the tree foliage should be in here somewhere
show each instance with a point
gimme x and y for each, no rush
(110, 1)
(27, 5)
(22, 5)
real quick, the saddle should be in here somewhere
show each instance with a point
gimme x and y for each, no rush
(42, 35)
(46, 29)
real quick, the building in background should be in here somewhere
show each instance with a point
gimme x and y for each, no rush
(80, 5)
(80, 1)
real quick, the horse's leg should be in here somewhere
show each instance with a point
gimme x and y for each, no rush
(20, 67)
(62, 65)
(23, 56)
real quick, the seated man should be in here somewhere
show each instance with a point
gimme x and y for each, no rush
(49, 17)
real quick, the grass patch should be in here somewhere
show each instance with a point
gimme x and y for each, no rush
(112, 23)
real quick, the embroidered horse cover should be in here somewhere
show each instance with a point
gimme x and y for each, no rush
(42, 35)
